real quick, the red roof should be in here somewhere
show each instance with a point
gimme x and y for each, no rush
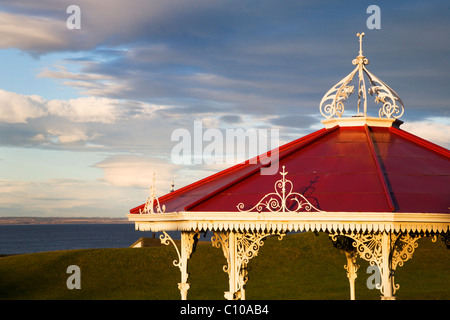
(354, 169)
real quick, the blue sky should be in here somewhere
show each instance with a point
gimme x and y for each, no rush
(86, 115)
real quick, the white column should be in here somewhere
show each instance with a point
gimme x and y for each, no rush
(241, 247)
(184, 286)
(233, 268)
(188, 243)
(386, 279)
(352, 269)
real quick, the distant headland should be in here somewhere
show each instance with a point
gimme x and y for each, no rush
(60, 220)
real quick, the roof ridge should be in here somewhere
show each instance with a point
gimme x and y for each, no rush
(381, 173)
(422, 142)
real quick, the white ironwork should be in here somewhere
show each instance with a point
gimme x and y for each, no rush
(150, 207)
(238, 248)
(386, 250)
(332, 103)
(346, 245)
(282, 199)
(188, 244)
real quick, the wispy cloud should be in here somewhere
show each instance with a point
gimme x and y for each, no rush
(436, 131)
(142, 69)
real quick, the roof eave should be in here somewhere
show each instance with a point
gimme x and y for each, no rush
(289, 222)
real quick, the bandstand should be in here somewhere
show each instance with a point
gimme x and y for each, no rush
(373, 187)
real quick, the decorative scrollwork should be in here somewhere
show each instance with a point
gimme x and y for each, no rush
(284, 199)
(392, 104)
(166, 240)
(246, 246)
(152, 205)
(188, 245)
(343, 243)
(404, 247)
(332, 103)
(337, 94)
(369, 246)
(220, 239)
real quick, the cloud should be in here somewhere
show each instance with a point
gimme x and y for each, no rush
(136, 171)
(436, 131)
(275, 58)
(85, 123)
(33, 34)
(86, 109)
(66, 197)
(62, 72)
(40, 27)
(129, 170)
(17, 108)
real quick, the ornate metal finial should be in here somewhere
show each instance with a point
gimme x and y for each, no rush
(284, 199)
(150, 207)
(360, 35)
(172, 186)
(332, 103)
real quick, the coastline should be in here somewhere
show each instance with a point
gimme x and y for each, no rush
(60, 220)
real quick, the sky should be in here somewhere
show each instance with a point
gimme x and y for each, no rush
(87, 115)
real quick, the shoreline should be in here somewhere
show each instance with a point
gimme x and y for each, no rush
(60, 220)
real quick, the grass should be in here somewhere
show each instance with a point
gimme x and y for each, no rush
(301, 266)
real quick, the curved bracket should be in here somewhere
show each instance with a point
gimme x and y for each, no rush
(239, 248)
(188, 244)
(386, 251)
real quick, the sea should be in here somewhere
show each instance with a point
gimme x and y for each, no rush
(21, 239)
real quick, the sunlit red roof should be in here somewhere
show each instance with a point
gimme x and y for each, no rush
(355, 169)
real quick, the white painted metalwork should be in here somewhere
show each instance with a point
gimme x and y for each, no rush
(282, 200)
(386, 250)
(150, 207)
(188, 244)
(332, 103)
(239, 248)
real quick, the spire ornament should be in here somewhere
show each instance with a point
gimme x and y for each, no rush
(152, 205)
(332, 103)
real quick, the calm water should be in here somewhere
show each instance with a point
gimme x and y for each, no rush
(16, 239)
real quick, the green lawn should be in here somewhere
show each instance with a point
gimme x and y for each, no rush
(301, 266)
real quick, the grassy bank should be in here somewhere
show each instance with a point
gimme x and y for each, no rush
(301, 266)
